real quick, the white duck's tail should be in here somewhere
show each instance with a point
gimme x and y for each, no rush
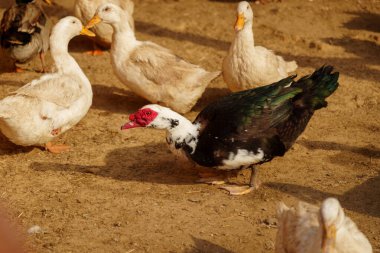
(291, 66)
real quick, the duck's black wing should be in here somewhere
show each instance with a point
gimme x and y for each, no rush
(267, 118)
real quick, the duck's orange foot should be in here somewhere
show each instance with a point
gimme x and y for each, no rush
(19, 70)
(238, 190)
(57, 148)
(95, 52)
(210, 178)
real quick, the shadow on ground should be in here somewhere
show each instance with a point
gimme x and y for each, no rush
(369, 151)
(353, 67)
(202, 246)
(364, 198)
(155, 30)
(123, 101)
(364, 21)
(159, 166)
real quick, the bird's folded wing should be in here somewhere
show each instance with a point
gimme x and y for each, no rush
(160, 65)
(60, 90)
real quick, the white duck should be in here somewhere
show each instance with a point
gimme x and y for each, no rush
(85, 9)
(150, 70)
(309, 229)
(47, 107)
(247, 66)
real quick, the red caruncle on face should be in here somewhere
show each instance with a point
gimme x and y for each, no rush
(141, 118)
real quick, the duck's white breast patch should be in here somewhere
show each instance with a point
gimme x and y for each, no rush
(243, 157)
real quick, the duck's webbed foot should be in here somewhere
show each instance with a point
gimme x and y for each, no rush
(244, 189)
(211, 178)
(56, 148)
(96, 51)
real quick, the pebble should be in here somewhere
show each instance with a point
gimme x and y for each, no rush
(35, 230)
(270, 221)
(194, 200)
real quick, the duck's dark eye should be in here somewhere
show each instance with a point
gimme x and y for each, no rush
(247, 7)
(148, 113)
(107, 9)
(73, 22)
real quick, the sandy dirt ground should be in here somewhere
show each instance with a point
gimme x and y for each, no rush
(125, 192)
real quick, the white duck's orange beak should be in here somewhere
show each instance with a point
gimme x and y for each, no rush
(328, 241)
(94, 21)
(87, 32)
(240, 21)
(49, 2)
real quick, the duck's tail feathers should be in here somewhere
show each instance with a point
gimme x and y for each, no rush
(291, 66)
(316, 88)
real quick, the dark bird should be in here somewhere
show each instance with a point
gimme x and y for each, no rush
(245, 128)
(24, 32)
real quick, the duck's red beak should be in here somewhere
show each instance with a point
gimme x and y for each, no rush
(131, 124)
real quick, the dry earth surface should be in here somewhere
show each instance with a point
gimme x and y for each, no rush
(125, 192)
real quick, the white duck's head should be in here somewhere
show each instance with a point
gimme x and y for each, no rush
(154, 116)
(69, 27)
(244, 16)
(332, 216)
(107, 13)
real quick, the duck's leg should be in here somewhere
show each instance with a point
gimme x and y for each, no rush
(57, 148)
(42, 58)
(245, 189)
(17, 69)
(95, 51)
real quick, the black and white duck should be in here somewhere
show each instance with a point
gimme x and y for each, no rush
(246, 128)
(24, 32)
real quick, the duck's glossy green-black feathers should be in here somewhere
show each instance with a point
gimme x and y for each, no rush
(268, 118)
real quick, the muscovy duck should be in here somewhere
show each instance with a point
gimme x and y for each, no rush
(245, 128)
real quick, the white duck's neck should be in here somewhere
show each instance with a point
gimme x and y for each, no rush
(182, 133)
(123, 35)
(64, 62)
(244, 37)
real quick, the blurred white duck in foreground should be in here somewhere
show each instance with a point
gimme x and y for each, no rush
(309, 229)
(47, 107)
(150, 70)
(247, 66)
(85, 9)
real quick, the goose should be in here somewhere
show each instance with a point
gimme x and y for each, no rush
(310, 229)
(85, 9)
(247, 66)
(150, 70)
(46, 107)
(246, 128)
(24, 32)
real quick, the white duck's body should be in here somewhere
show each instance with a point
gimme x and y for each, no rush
(85, 9)
(247, 66)
(152, 71)
(304, 229)
(47, 107)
